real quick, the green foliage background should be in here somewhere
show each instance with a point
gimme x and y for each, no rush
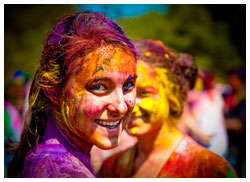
(25, 30)
(188, 28)
(185, 28)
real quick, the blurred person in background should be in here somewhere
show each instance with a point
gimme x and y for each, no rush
(14, 105)
(190, 72)
(18, 90)
(161, 150)
(12, 131)
(235, 114)
(203, 117)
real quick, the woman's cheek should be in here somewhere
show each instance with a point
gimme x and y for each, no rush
(82, 108)
(92, 108)
(75, 113)
(130, 101)
(148, 105)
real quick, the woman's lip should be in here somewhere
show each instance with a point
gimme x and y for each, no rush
(134, 118)
(110, 124)
(110, 120)
(134, 121)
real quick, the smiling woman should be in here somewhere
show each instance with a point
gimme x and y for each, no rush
(162, 151)
(103, 99)
(82, 95)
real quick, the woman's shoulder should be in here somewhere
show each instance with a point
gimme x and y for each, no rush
(192, 160)
(53, 160)
(117, 164)
(213, 165)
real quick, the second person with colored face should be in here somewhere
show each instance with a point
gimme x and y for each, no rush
(161, 150)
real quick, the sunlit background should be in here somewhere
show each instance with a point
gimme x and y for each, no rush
(215, 35)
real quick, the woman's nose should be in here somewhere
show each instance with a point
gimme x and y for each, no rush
(117, 105)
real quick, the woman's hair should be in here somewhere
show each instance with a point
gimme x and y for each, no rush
(75, 35)
(188, 69)
(157, 55)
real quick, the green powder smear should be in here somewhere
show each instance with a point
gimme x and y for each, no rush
(230, 173)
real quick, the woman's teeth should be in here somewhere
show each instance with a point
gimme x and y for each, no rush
(107, 124)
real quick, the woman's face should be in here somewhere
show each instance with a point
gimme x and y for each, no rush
(101, 96)
(152, 107)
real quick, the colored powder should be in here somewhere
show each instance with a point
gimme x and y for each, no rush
(101, 68)
(137, 111)
(110, 58)
(107, 60)
(154, 81)
(133, 131)
(139, 123)
(166, 56)
(198, 84)
(230, 173)
(65, 115)
(148, 54)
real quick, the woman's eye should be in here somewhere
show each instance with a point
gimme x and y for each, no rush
(142, 94)
(128, 86)
(97, 88)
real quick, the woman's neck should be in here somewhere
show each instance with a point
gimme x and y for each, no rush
(154, 149)
(163, 137)
(54, 134)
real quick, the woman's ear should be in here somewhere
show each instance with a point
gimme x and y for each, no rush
(53, 94)
(174, 105)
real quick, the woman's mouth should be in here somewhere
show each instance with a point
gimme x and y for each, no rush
(108, 124)
(136, 121)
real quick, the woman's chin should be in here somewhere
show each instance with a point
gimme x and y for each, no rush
(107, 144)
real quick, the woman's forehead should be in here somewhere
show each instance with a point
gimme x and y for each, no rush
(150, 75)
(145, 72)
(107, 59)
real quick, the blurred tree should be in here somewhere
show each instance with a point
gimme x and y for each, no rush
(188, 28)
(235, 17)
(185, 28)
(25, 29)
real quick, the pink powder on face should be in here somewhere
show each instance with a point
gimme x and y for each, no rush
(92, 111)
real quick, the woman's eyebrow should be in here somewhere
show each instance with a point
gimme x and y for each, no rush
(148, 89)
(97, 79)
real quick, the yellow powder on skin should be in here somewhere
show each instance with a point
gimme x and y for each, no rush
(65, 115)
(136, 111)
(133, 130)
(109, 58)
(139, 123)
(166, 56)
(148, 54)
(156, 104)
